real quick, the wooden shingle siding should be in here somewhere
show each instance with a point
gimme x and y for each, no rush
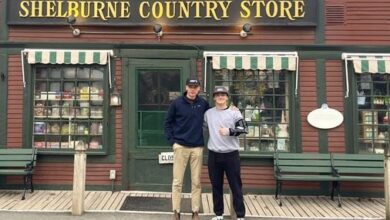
(259, 177)
(364, 23)
(308, 98)
(15, 103)
(118, 129)
(335, 99)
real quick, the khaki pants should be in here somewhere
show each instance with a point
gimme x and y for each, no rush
(181, 157)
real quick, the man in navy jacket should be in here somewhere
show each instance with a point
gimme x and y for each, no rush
(184, 131)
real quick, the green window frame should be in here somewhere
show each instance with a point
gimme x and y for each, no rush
(70, 107)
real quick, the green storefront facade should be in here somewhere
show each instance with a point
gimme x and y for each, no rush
(281, 72)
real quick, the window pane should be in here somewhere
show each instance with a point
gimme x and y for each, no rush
(157, 89)
(263, 99)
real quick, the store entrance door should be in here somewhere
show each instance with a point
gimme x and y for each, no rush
(152, 85)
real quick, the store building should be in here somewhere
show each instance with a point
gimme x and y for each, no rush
(280, 59)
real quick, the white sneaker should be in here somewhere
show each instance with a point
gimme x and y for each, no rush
(217, 218)
(240, 218)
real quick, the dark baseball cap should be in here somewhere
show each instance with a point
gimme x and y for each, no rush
(192, 82)
(221, 89)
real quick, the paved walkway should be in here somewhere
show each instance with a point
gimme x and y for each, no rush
(258, 206)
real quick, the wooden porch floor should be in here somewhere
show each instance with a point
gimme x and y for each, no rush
(256, 205)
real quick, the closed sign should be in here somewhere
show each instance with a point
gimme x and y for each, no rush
(165, 157)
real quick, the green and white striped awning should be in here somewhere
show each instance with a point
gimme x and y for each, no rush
(255, 62)
(376, 64)
(68, 56)
(57, 56)
(366, 63)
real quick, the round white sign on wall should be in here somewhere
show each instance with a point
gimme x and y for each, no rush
(325, 117)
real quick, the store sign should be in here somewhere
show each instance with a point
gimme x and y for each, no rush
(165, 158)
(166, 12)
(325, 117)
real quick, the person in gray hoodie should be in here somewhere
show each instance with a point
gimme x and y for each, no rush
(224, 125)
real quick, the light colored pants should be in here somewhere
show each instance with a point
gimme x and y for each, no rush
(181, 157)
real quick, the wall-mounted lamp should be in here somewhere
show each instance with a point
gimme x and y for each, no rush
(157, 28)
(115, 98)
(2, 77)
(71, 21)
(246, 28)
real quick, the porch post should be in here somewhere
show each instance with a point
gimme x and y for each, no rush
(79, 172)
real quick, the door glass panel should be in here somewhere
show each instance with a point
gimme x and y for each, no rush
(157, 88)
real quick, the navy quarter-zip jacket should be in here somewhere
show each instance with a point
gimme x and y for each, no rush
(184, 121)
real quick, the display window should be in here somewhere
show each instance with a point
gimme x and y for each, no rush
(373, 107)
(68, 106)
(370, 95)
(262, 87)
(70, 93)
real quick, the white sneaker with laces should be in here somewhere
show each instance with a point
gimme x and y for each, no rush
(217, 218)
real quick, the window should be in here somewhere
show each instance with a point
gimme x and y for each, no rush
(373, 111)
(261, 86)
(69, 106)
(157, 88)
(370, 101)
(263, 99)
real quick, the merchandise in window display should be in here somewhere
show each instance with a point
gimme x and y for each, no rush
(65, 109)
(84, 93)
(361, 99)
(55, 128)
(39, 127)
(55, 112)
(67, 106)
(94, 128)
(282, 133)
(94, 144)
(39, 109)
